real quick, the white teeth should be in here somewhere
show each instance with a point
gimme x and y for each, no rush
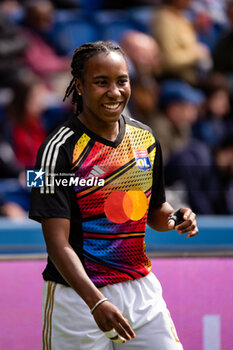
(115, 106)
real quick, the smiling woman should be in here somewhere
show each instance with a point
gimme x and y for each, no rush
(95, 234)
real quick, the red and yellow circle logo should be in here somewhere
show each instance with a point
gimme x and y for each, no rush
(123, 206)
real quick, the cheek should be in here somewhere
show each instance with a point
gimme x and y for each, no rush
(127, 92)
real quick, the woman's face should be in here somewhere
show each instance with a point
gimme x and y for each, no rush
(105, 88)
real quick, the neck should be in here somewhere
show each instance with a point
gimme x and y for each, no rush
(108, 131)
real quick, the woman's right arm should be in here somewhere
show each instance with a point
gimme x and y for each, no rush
(107, 316)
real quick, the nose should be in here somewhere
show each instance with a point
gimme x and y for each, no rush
(113, 91)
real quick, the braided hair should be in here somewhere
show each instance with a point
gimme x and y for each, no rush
(80, 57)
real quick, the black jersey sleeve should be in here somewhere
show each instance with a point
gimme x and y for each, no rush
(53, 200)
(158, 189)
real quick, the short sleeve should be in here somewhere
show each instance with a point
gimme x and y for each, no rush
(53, 199)
(158, 189)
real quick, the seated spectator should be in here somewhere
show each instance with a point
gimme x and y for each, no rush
(22, 127)
(215, 121)
(207, 176)
(143, 52)
(13, 45)
(143, 103)
(223, 53)
(40, 56)
(180, 107)
(145, 65)
(12, 210)
(182, 54)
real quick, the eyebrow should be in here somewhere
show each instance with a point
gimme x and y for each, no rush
(106, 77)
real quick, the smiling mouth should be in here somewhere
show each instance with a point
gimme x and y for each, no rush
(112, 106)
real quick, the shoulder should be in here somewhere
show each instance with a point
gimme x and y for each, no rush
(141, 131)
(137, 124)
(62, 135)
(59, 143)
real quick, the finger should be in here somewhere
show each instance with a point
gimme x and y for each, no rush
(187, 212)
(123, 328)
(187, 224)
(189, 229)
(119, 339)
(114, 336)
(192, 233)
(171, 224)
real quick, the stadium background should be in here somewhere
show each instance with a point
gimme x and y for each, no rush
(196, 274)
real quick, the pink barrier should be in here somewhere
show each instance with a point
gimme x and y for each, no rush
(193, 288)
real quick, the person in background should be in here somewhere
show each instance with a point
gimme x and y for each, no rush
(182, 54)
(180, 104)
(215, 120)
(13, 46)
(144, 58)
(223, 52)
(143, 52)
(11, 210)
(40, 55)
(22, 126)
(206, 176)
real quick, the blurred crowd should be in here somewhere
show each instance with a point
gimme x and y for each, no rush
(180, 56)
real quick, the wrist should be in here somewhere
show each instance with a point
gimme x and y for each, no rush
(91, 300)
(97, 304)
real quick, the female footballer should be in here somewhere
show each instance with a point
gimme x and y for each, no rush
(99, 292)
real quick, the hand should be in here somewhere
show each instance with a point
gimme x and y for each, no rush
(189, 225)
(203, 51)
(108, 316)
(13, 211)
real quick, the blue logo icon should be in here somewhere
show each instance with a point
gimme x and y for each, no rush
(142, 159)
(35, 178)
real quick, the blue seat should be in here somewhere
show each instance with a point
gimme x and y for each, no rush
(143, 16)
(11, 191)
(113, 23)
(68, 35)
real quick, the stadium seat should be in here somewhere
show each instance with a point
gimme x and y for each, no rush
(12, 191)
(114, 22)
(143, 16)
(70, 34)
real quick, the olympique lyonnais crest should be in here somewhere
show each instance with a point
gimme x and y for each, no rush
(142, 159)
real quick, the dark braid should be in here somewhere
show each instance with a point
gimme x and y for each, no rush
(81, 55)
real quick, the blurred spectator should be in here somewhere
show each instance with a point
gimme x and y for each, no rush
(40, 56)
(12, 210)
(144, 100)
(180, 104)
(215, 121)
(214, 8)
(223, 53)
(144, 60)
(182, 54)
(13, 45)
(21, 126)
(207, 176)
(143, 52)
(209, 20)
(12, 10)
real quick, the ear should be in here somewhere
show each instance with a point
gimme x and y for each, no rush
(78, 86)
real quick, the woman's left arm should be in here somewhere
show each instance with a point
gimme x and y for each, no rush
(160, 220)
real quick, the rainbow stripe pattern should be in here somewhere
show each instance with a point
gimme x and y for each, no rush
(114, 215)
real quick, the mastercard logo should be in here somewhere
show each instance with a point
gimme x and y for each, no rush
(122, 206)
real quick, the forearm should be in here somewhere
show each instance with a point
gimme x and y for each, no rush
(69, 265)
(158, 218)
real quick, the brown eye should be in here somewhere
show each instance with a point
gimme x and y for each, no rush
(101, 82)
(123, 81)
